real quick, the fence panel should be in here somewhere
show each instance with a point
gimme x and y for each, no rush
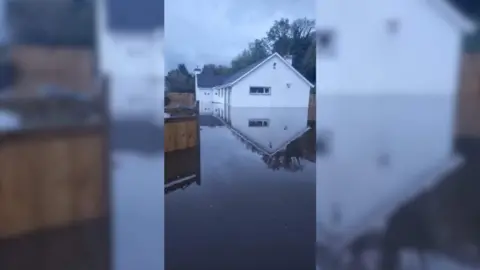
(53, 174)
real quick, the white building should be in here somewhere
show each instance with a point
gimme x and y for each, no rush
(130, 52)
(271, 82)
(388, 75)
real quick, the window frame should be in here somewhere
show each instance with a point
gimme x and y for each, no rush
(265, 122)
(329, 50)
(264, 88)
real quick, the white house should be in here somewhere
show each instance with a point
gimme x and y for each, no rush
(130, 52)
(388, 75)
(130, 40)
(271, 82)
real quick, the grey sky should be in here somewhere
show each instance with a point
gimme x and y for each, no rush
(214, 31)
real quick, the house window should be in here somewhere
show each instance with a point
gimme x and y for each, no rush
(258, 122)
(255, 90)
(324, 143)
(393, 26)
(326, 43)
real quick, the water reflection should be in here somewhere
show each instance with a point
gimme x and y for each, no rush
(280, 136)
(406, 201)
(388, 148)
(242, 202)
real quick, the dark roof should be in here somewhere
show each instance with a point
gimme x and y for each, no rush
(208, 79)
(135, 15)
(233, 77)
(470, 8)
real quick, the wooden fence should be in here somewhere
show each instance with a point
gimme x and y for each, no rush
(468, 106)
(312, 108)
(182, 150)
(181, 99)
(55, 175)
(71, 68)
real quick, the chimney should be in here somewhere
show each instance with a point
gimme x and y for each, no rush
(288, 58)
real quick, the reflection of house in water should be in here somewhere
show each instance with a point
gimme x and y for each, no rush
(206, 108)
(274, 133)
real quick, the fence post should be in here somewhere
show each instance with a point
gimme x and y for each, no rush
(199, 156)
(105, 129)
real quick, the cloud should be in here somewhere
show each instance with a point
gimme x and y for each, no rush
(215, 31)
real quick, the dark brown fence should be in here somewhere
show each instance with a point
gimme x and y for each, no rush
(312, 108)
(468, 105)
(54, 173)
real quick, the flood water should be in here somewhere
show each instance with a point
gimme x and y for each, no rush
(394, 218)
(253, 206)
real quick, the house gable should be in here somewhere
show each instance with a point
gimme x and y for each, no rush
(230, 81)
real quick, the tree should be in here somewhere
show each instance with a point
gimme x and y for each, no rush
(216, 69)
(296, 38)
(256, 51)
(279, 37)
(180, 80)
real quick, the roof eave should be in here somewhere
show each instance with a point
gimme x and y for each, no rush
(261, 63)
(224, 85)
(464, 23)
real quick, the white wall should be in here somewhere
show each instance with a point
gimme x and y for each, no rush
(216, 96)
(128, 54)
(382, 95)
(281, 96)
(204, 94)
(205, 107)
(375, 61)
(136, 80)
(285, 124)
(137, 98)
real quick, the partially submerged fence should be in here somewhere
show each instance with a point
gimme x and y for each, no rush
(54, 166)
(312, 108)
(182, 148)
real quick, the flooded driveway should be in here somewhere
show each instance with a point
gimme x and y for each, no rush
(256, 192)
